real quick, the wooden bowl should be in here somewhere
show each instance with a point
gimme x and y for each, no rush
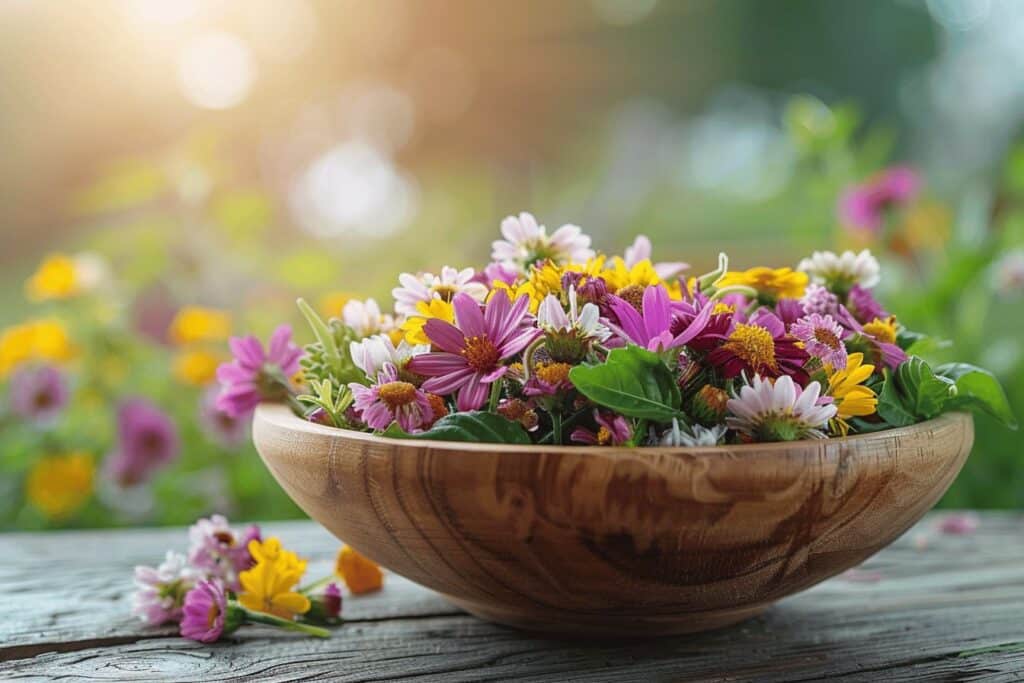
(614, 541)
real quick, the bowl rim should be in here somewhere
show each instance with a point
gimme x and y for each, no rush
(281, 416)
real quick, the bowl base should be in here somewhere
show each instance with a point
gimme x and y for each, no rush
(570, 625)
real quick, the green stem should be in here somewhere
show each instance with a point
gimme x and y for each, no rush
(556, 427)
(271, 620)
(492, 403)
(316, 584)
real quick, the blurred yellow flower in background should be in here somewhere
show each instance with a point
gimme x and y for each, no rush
(35, 340)
(360, 573)
(435, 308)
(196, 367)
(776, 283)
(54, 279)
(194, 324)
(331, 303)
(268, 585)
(59, 485)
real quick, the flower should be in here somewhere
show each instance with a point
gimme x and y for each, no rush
(822, 337)
(708, 405)
(778, 411)
(61, 277)
(472, 351)
(221, 428)
(863, 207)
(147, 440)
(841, 272)
(331, 303)
(256, 374)
(652, 327)
(370, 354)
(360, 573)
(863, 306)
(389, 400)
(36, 340)
(267, 586)
(959, 524)
(818, 299)
(548, 379)
(38, 394)
(413, 325)
(426, 287)
(196, 367)
(59, 485)
(569, 337)
(760, 347)
(1008, 273)
(332, 601)
(205, 613)
(770, 283)
(849, 395)
(694, 436)
(160, 592)
(195, 324)
(365, 318)
(526, 243)
(218, 551)
(612, 430)
(641, 250)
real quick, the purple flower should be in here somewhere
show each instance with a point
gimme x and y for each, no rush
(823, 338)
(332, 601)
(389, 400)
(879, 351)
(612, 430)
(652, 327)
(958, 524)
(147, 441)
(227, 430)
(760, 347)
(219, 552)
(863, 305)
(256, 374)
(38, 394)
(205, 611)
(473, 349)
(160, 592)
(863, 207)
(818, 299)
(497, 272)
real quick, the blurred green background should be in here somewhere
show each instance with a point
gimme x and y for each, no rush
(235, 155)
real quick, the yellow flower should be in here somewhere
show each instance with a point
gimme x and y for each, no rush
(199, 324)
(361, 574)
(196, 367)
(435, 308)
(882, 330)
(268, 586)
(777, 283)
(846, 387)
(619, 275)
(543, 279)
(54, 279)
(44, 339)
(331, 303)
(58, 485)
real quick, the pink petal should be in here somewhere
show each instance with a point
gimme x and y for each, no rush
(630, 321)
(280, 340)
(445, 335)
(518, 343)
(495, 374)
(248, 351)
(495, 314)
(468, 316)
(437, 363)
(472, 394)
(695, 327)
(446, 384)
(657, 314)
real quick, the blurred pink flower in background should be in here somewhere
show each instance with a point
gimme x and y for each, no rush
(863, 207)
(147, 441)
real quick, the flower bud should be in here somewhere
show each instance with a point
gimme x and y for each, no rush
(708, 405)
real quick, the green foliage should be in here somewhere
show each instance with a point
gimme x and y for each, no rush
(913, 393)
(475, 427)
(977, 388)
(632, 381)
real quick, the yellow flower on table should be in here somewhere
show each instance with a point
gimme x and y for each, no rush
(59, 485)
(775, 283)
(269, 585)
(360, 573)
(196, 367)
(35, 340)
(426, 310)
(194, 324)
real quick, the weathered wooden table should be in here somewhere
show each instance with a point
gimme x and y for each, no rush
(932, 606)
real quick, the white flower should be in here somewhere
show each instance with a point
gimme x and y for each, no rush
(160, 592)
(779, 411)
(370, 354)
(641, 250)
(845, 270)
(585, 322)
(526, 242)
(692, 437)
(365, 318)
(427, 286)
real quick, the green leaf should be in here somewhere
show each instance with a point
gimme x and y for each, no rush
(475, 426)
(979, 388)
(891, 407)
(913, 393)
(633, 382)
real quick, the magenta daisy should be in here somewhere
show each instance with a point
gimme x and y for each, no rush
(256, 374)
(652, 327)
(389, 400)
(822, 337)
(205, 613)
(612, 430)
(473, 350)
(863, 207)
(761, 347)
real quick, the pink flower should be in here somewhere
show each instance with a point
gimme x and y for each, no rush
(392, 400)
(221, 428)
(38, 394)
(160, 592)
(612, 430)
(818, 299)
(219, 552)
(760, 347)
(958, 524)
(332, 601)
(863, 305)
(473, 349)
(147, 441)
(863, 206)
(822, 337)
(256, 374)
(652, 328)
(205, 610)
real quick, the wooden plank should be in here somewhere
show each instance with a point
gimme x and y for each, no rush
(926, 608)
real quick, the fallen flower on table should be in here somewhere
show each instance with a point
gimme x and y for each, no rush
(268, 585)
(360, 573)
(958, 524)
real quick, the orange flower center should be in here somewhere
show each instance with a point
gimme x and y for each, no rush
(604, 436)
(826, 337)
(553, 373)
(634, 295)
(397, 394)
(481, 354)
(882, 330)
(754, 345)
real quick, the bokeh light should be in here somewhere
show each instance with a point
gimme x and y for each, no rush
(216, 70)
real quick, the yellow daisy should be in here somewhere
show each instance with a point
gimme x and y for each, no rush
(846, 387)
(775, 283)
(425, 310)
(59, 485)
(268, 586)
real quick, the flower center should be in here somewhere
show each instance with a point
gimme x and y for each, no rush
(553, 373)
(634, 295)
(397, 394)
(722, 308)
(882, 330)
(604, 436)
(754, 345)
(211, 616)
(826, 337)
(480, 353)
(445, 292)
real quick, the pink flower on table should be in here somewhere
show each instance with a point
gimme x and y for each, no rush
(612, 430)
(473, 349)
(959, 524)
(390, 399)
(822, 337)
(863, 207)
(147, 441)
(652, 327)
(256, 374)
(38, 394)
(205, 612)
(219, 552)
(160, 591)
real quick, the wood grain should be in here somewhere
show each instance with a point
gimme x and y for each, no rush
(614, 541)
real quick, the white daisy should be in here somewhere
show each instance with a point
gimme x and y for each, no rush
(365, 318)
(779, 411)
(427, 286)
(692, 437)
(842, 271)
(526, 242)
(568, 336)
(370, 354)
